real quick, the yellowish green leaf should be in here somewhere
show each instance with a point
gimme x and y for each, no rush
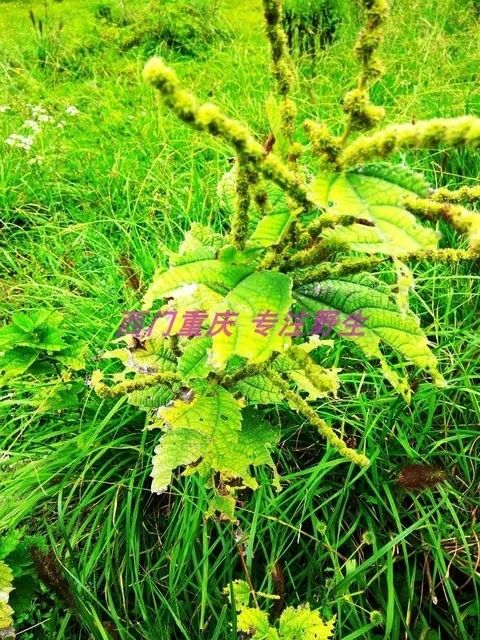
(377, 200)
(257, 294)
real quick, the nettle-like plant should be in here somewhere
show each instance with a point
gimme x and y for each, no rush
(35, 345)
(294, 622)
(18, 576)
(299, 243)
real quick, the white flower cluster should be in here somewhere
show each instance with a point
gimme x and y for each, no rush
(72, 111)
(38, 117)
(20, 142)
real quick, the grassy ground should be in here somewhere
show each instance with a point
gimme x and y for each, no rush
(83, 231)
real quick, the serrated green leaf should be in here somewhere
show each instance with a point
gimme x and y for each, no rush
(199, 243)
(271, 229)
(43, 338)
(9, 336)
(23, 596)
(222, 504)
(207, 432)
(401, 175)
(15, 362)
(193, 361)
(301, 622)
(176, 448)
(255, 622)
(72, 357)
(9, 542)
(212, 411)
(383, 322)
(259, 389)
(38, 329)
(205, 235)
(151, 398)
(6, 616)
(152, 356)
(255, 442)
(218, 276)
(241, 594)
(37, 318)
(194, 255)
(396, 230)
(256, 294)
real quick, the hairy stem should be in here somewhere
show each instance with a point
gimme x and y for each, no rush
(333, 270)
(140, 382)
(323, 428)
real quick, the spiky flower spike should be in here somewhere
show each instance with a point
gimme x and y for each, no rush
(425, 134)
(282, 64)
(208, 117)
(465, 194)
(362, 114)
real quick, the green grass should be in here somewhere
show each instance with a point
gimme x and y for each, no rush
(118, 184)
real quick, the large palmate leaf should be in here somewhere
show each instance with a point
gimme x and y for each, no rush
(302, 622)
(374, 196)
(382, 321)
(259, 293)
(207, 432)
(216, 275)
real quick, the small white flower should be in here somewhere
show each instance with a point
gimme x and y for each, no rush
(36, 160)
(72, 111)
(38, 110)
(33, 125)
(4, 108)
(44, 117)
(27, 141)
